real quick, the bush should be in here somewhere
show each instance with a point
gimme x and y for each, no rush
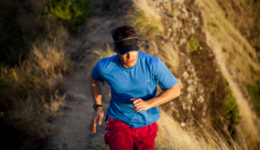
(254, 92)
(231, 113)
(71, 12)
(192, 44)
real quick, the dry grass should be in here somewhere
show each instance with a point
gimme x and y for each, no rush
(236, 47)
(166, 53)
(29, 92)
(169, 56)
(240, 58)
(102, 54)
(172, 136)
(145, 18)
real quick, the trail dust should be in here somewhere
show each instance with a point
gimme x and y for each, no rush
(248, 116)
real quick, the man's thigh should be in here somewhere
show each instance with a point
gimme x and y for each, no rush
(119, 141)
(118, 135)
(146, 137)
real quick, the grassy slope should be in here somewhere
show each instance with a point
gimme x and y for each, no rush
(240, 58)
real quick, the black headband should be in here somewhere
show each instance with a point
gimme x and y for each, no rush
(126, 45)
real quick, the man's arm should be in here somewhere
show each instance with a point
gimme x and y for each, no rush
(95, 87)
(163, 97)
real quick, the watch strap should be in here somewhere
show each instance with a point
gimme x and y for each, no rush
(96, 105)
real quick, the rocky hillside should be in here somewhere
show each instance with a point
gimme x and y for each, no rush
(203, 94)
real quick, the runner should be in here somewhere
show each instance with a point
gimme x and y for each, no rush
(133, 77)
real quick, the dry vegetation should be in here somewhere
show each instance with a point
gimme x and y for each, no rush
(145, 18)
(29, 90)
(240, 57)
(236, 49)
(172, 136)
(102, 54)
(29, 96)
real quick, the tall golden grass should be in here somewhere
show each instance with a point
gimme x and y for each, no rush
(100, 53)
(171, 136)
(29, 92)
(235, 50)
(145, 18)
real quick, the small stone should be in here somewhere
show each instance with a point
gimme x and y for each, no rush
(183, 106)
(200, 88)
(191, 89)
(189, 81)
(192, 30)
(180, 83)
(183, 124)
(185, 75)
(201, 99)
(188, 61)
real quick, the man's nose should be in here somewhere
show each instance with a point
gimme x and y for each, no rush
(129, 55)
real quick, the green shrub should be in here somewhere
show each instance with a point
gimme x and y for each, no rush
(193, 46)
(254, 92)
(231, 113)
(71, 12)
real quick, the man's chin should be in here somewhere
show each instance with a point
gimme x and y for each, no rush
(131, 64)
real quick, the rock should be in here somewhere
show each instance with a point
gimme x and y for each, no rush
(183, 124)
(185, 75)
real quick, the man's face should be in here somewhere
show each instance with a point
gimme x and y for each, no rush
(129, 59)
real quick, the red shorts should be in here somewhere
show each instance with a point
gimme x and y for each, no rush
(120, 136)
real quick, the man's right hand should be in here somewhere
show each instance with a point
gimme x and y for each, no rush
(97, 118)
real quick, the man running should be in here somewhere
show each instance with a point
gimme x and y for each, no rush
(133, 77)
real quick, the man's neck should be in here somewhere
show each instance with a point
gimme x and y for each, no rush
(121, 64)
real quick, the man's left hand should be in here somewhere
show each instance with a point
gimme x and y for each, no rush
(140, 104)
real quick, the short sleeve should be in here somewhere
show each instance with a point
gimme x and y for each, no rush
(163, 76)
(96, 74)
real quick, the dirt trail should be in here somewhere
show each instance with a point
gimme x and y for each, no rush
(73, 128)
(248, 116)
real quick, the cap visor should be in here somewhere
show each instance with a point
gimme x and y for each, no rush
(126, 49)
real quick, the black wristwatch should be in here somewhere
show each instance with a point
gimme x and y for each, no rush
(95, 106)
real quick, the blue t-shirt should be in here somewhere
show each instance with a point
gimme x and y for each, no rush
(138, 81)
